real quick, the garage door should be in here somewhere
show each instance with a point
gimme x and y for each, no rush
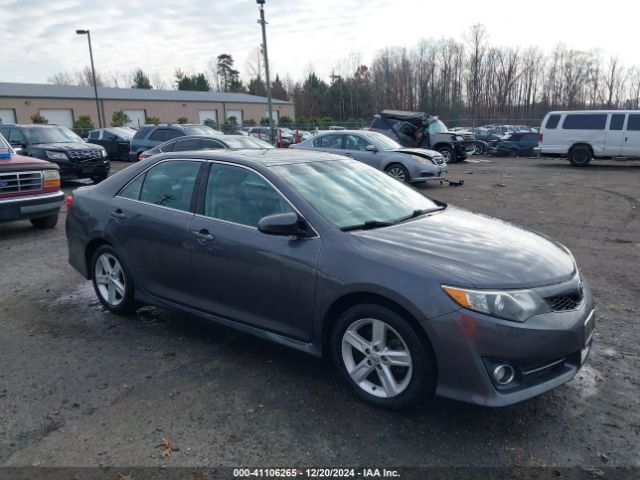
(274, 113)
(208, 115)
(7, 115)
(61, 116)
(235, 113)
(136, 117)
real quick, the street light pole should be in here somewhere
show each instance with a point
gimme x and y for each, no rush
(266, 65)
(93, 72)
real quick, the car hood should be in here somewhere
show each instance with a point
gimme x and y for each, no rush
(68, 146)
(476, 250)
(422, 152)
(20, 162)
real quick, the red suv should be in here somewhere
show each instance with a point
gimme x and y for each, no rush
(29, 188)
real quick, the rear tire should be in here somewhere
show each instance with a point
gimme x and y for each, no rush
(123, 153)
(399, 172)
(513, 153)
(449, 154)
(112, 283)
(382, 357)
(45, 222)
(580, 156)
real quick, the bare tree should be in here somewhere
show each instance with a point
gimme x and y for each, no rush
(61, 78)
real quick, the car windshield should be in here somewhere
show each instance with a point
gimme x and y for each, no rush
(199, 130)
(245, 142)
(125, 133)
(382, 141)
(436, 126)
(349, 193)
(51, 135)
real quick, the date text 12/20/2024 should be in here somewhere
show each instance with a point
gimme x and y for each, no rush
(315, 473)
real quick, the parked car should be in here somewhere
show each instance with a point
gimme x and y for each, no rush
(407, 295)
(282, 136)
(75, 157)
(583, 135)
(381, 152)
(148, 136)
(201, 142)
(416, 129)
(29, 188)
(517, 144)
(115, 140)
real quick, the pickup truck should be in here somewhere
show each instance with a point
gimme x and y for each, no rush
(29, 189)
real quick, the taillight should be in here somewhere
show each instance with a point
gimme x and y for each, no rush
(69, 202)
(540, 137)
(142, 156)
(292, 146)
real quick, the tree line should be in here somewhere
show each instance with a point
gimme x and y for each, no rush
(468, 81)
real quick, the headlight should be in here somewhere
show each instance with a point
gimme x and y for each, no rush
(516, 305)
(51, 178)
(57, 155)
(419, 159)
(104, 153)
(458, 138)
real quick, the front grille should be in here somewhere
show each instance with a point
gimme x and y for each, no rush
(83, 154)
(469, 137)
(17, 182)
(562, 303)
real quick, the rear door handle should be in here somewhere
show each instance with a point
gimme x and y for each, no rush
(203, 235)
(118, 214)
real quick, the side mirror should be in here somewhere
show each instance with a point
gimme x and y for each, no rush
(286, 224)
(371, 148)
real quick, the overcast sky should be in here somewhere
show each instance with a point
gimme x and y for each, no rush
(38, 36)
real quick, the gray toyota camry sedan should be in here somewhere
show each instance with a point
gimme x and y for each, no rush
(408, 296)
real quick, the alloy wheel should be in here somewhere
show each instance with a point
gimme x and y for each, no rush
(110, 279)
(397, 173)
(376, 358)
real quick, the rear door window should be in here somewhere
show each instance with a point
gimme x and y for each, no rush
(170, 184)
(552, 121)
(211, 144)
(633, 123)
(617, 121)
(187, 144)
(160, 135)
(589, 121)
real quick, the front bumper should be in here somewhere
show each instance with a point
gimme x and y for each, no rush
(32, 206)
(426, 173)
(545, 351)
(69, 170)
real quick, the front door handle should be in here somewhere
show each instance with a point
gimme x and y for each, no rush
(203, 235)
(118, 214)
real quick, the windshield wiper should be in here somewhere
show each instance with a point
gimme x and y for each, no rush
(418, 213)
(368, 225)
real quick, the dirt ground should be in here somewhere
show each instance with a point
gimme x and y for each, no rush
(82, 387)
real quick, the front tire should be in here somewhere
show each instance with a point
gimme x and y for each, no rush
(580, 156)
(45, 222)
(398, 172)
(112, 283)
(448, 154)
(382, 357)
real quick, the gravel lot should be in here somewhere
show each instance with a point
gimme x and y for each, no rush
(79, 386)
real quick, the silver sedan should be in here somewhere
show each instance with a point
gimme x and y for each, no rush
(405, 164)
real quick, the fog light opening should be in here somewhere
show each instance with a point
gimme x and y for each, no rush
(504, 374)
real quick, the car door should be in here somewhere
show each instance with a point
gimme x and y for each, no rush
(241, 274)
(149, 223)
(355, 146)
(614, 136)
(631, 140)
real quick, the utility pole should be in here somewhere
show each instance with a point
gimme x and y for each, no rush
(335, 77)
(266, 65)
(93, 72)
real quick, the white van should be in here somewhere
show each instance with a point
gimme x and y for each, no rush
(582, 135)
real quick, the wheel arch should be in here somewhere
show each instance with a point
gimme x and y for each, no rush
(582, 145)
(340, 305)
(90, 250)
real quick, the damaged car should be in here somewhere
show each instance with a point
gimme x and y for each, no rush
(417, 129)
(379, 151)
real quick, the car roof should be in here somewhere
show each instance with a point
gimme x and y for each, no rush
(265, 157)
